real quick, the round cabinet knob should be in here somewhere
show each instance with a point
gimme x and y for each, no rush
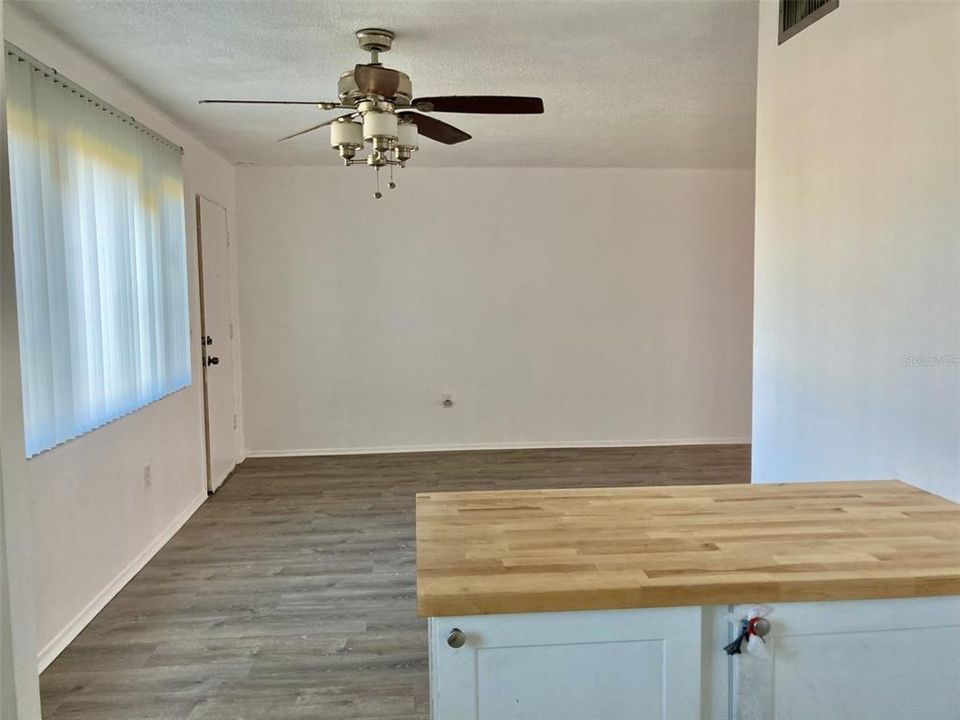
(761, 628)
(213, 361)
(456, 638)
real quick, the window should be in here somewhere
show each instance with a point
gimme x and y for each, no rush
(795, 15)
(100, 255)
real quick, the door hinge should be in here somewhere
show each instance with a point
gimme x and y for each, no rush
(231, 331)
(234, 421)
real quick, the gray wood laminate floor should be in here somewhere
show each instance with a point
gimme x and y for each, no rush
(291, 592)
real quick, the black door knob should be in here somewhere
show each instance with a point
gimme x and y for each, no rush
(213, 360)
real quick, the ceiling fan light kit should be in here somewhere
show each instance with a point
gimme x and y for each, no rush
(384, 113)
(347, 137)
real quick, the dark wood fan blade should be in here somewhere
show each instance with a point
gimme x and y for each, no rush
(376, 80)
(493, 104)
(269, 102)
(437, 129)
(315, 127)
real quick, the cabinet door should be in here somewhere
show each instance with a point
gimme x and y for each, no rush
(856, 660)
(613, 664)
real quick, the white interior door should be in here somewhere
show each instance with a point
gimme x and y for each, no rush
(220, 406)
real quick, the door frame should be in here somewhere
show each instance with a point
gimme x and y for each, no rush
(203, 345)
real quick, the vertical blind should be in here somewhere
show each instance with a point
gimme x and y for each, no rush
(100, 255)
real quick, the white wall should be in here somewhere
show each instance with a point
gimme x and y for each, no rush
(94, 523)
(559, 307)
(857, 347)
(19, 689)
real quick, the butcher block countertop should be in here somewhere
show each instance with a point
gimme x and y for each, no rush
(588, 549)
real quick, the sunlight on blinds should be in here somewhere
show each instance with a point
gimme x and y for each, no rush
(100, 254)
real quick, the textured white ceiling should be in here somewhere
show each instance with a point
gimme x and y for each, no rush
(628, 83)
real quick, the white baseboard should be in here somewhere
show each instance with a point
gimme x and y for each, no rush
(63, 638)
(529, 445)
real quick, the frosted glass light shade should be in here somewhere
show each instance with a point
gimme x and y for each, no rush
(377, 124)
(409, 138)
(346, 133)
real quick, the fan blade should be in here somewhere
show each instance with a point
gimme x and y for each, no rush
(376, 80)
(316, 127)
(437, 129)
(270, 102)
(494, 104)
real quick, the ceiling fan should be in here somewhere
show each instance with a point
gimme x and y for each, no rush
(384, 113)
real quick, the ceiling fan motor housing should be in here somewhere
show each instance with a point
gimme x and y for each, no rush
(350, 94)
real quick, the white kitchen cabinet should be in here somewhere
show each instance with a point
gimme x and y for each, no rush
(609, 665)
(896, 659)
(856, 660)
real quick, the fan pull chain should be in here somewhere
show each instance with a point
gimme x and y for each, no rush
(378, 194)
(392, 185)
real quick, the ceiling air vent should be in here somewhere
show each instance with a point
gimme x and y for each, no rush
(795, 15)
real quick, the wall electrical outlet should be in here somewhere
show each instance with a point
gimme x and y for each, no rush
(147, 476)
(446, 400)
